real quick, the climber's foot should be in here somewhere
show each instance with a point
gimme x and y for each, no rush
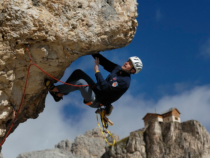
(49, 84)
(57, 96)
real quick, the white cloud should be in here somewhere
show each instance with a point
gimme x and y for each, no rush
(50, 128)
(44, 132)
(205, 49)
(129, 111)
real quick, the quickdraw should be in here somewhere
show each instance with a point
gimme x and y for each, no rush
(105, 123)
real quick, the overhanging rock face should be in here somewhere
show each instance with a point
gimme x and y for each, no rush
(58, 31)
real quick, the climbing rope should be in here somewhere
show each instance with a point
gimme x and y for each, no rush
(105, 126)
(16, 113)
(14, 120)
(27, 49)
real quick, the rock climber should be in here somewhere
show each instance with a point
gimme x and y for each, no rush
(105, 91)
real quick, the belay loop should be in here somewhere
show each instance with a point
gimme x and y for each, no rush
(105, 122)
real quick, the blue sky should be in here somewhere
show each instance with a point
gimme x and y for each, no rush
(169, 40)
(173, 41)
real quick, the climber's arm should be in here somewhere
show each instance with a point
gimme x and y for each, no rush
(107, 64)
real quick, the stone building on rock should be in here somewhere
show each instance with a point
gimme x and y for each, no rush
(171, 115)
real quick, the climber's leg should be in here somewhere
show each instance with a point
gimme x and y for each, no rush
(86, 92)
(78, 77)
(79, 74)
(55, 89)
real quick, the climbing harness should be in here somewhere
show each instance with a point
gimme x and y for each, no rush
(105, 123)
(15, 113)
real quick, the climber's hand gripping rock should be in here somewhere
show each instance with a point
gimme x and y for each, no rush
(96, 67)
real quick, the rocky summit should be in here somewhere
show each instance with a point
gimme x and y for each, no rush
(165, 140)
(158, 140)
(89, 145)
(57, 33)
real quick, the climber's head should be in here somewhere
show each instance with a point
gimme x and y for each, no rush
(133, 65)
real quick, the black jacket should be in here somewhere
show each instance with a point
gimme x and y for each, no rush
(114, 86)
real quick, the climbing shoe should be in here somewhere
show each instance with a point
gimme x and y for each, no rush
(50, 86)
(55, 96)
(108, 110)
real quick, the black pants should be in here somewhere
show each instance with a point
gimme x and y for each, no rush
(78, 77)
(79, 74)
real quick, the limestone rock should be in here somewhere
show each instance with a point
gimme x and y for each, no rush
(58, 32)
(49, 153)
(131, 147)
(167, 140)
(90, 145)
(65, 145)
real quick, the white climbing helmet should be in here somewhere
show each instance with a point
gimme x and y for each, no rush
(137, 63)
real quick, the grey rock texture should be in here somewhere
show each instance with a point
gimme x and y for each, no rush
(58, 32)
(65, 145)
(90, 145)
(49, 153)
(167, 140)
(129, 147)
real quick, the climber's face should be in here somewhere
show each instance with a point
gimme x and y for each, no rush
(128, 66)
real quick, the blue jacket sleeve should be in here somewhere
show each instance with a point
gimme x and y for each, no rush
(108, 65)
(112, 85)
